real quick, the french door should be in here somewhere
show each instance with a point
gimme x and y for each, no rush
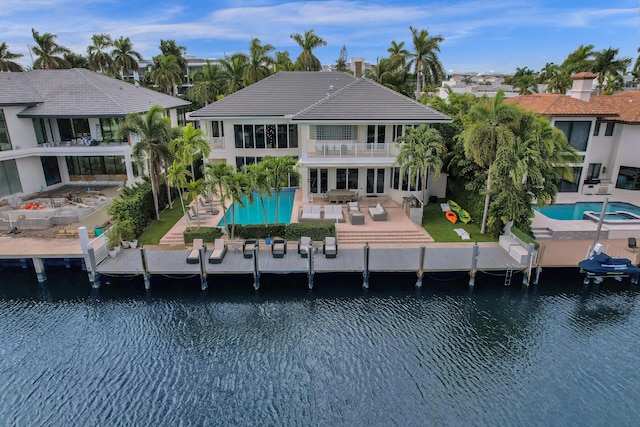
(375, 181)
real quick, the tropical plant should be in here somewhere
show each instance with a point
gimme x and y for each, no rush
(579, 60)
(171, 48)
(557, 79)
(236, 188)
(166, 73)
(6, 57)
(421, 149)
(526, 85)
(398, 53)
(279, 170)
(99, 57)
(258, 181)
(153, 133)
(190, 145)
(194, 189)
(341, 62)
(613, 83)
(177, 175)
(233, 72)
(75, 60)
(635, 72)
(308, 41)
(427, 64)
(283, 61)
(48, 52)
(607, 63)
(125, 59)
(259, 62)
(217, 176)
(208, 83)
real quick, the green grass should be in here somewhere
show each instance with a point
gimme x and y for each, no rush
(154, 232)
(441, 229)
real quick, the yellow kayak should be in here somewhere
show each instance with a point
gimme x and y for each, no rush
(464, 216)
(454, 206)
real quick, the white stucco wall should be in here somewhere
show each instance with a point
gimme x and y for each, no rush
(21, 131)
(31, 175)
(628, 148)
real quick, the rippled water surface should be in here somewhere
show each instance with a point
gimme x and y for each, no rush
(556, 354)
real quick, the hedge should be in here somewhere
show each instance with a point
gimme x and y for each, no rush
(260, 231)
(524, 236)
(208, 234)
(315, 230)
(135, 204)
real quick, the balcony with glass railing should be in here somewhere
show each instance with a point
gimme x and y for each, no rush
(352, 149)
(215, 142)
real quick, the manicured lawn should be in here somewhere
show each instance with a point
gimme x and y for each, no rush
(157, 229)
(441, 229)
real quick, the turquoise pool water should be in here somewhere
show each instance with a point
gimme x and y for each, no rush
(573, 211)
(253, 213)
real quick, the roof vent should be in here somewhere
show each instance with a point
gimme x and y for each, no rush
(330, 87)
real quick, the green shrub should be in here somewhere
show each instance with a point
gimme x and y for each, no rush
(260, 231)
(127, 230)
(208, 234)
(135, 204)
(524, 236)
(315, 230)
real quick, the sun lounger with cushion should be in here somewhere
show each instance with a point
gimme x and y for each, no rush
(378, 213)
(330, 247)
(219, 251)
(278, 247)
(304, 246)
(248, 246)
(194, 256)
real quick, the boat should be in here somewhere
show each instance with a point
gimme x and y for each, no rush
(454, 206)
(451, 216)
(600, 266)
(464, 216)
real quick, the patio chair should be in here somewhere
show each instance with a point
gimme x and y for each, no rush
(378, 213)
(209, 206)
(248, 246)
(353, 206)
(219, 251)
(632, 244)
(194, 255)
(330, 247)
(305, 244)
(278, 247)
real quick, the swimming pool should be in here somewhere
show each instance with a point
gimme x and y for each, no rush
(253, 213)
(575, 211)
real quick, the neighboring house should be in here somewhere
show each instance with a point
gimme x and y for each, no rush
(58, 127)
(605, 130)
(341, 128)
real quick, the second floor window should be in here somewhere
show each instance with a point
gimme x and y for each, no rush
(5, 141)
(577, 133)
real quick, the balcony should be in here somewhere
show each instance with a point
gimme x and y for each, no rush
(215, 142)
(353, 149)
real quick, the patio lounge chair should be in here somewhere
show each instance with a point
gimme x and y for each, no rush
(194, 256)
(305, 244)
(278, 247)
(310, 213)
(333, 213)
(219, 251)
(330, 247)
(209, 206)
(248, 246)
(378, 213)
(353, 206)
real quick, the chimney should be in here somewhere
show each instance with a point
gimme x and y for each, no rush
(357, 66)
(582, 86)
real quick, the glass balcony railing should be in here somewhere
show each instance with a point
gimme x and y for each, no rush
(349, 149)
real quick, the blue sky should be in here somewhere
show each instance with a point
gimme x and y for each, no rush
(480, 36)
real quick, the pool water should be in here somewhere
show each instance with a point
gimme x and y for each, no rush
(253, 213)
(575, 211)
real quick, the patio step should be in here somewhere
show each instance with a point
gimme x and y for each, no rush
(542, 233)
(397, 236)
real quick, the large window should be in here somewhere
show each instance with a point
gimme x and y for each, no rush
(95, 165)
(5, 141)
(217, 129)
(347, 179)
(577, 133)
(318, 180)
(628, 178)
(571, 186)
(73, 128)
(40, 128)
(593, 171)
(334, 132)
(9, 178)
(375, 134)
(109, 129)
(265, 136)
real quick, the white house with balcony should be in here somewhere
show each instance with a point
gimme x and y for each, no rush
(59, 127)
(341, 128)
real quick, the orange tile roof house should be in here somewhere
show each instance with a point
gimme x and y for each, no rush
(604, 129)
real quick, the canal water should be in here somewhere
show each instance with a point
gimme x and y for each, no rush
(558, 353)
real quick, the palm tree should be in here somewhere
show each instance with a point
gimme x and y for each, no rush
(75, 60)
(606, 62)
(579, 60)
(426, 58)
(195, 188)
(166, 73)
(636, 69)
(278, 170)
(421, 149)
(170, 48)
(236, 186)
(307, 61)
(283, 61)
(217, 175)
(177, 175)
(398, 53)
(488, 125)
(557, 79)
(259, 63)
(258, 180)
(154, 133)
(125, 59)
(613, 83)
(48, 51)
(6, 63)
(526, 84)
(98, 55)
(208, 83)
(233, 72)
(189, 145)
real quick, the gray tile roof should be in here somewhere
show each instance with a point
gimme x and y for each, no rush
(365, 100)
(320, 96)
(82, 93)
(14, 90)
(281, 94)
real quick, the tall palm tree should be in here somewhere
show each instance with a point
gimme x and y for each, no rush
(153, 132)
(125, 59)
(99, 56)
(233, 72)
(307, 61)
(259, 63)
(488, 125)
(195, 188)
(6, 63)
(171, 48)
(177, 175)
(612, 83)
(75, 60)
(526, 84)
(425, 48)
(190, 145)
(579, 60)
(398, 53)
(283, 61)
(48, 52)
(166, 73)
(557, 79)
(421, 149)
(606, 62)
(208, 83)
(279, 169)
(258, 180)
(217, 176)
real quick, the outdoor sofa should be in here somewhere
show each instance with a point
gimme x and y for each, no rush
(378, 213)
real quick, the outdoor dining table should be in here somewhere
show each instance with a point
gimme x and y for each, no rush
(341, 196)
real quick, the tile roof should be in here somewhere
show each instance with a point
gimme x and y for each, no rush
(626, 104)
(14, 90)
(320, 96)
(83, 93)
(560, 105)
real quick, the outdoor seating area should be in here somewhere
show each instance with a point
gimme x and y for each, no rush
(341, 196)
(194, 255)
(278, 247)
(310, 213)
(219, 251)
(356, 218)
(378, 213)
(248, 247)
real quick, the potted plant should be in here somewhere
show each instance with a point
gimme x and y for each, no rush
(113, 241)
(127, 233)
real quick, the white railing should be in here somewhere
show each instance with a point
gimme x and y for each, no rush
(348, 149)
(99, 245)
(216, 142)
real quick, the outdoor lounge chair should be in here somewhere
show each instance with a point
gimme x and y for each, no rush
(219, 251)
(194, 256)
(278, 247)
(378, 213)
(330, 247)
(209, 206)
(248, 246)
(353, 206)
(632, 244)
(305, 244)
